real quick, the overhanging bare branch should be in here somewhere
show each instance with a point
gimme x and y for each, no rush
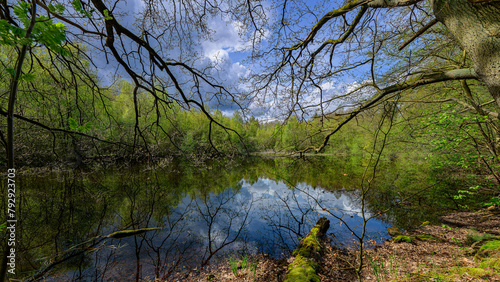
(383, 93)
(418, 33)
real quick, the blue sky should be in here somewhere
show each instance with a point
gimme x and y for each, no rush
(223, 55)
(223, 52)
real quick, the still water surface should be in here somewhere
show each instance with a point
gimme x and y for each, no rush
(202, 214)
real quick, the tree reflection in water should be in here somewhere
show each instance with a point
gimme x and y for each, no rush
(203, 216)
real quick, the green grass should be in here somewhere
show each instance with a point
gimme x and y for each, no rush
(243, 265)
(233, 264)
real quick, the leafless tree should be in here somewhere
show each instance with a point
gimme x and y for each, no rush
(389, 47)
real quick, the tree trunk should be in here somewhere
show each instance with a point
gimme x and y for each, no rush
(477, 28)
(308, 253)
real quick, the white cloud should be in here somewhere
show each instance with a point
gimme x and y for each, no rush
(225, 39)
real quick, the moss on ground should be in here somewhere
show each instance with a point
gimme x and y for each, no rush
(403, 238)
(493, 245)
(412, 238)
(473, 272)
(487, 262)
(425, 237)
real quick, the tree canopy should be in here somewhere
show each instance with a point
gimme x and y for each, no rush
(388, 47)
(321, 58)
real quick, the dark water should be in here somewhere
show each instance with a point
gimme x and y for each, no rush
(202, 213)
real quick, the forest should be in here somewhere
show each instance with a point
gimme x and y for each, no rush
(150, 121)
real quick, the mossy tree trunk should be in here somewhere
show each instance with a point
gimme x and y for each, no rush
(308, 252)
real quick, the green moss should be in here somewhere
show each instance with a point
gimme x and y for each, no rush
(393, 231)
(425, 223)
(426, 237)
(310, 245)
(410, 239)
(484, 270)
(417, 277)
(473, 271)
(302, 269)
(307, 246)
(491, 245)
(403, 238)
(487, 263)
(490, 263)
(127, 233)
(455, 273)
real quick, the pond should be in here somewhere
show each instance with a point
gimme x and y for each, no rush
(197, 215)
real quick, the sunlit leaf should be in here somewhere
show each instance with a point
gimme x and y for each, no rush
(28, 77)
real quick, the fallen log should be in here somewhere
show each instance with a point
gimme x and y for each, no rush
(307, 254)
(127, 233)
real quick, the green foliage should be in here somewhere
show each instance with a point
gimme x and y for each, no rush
(57, 8)
(50, 34)
(106, 15)
(73, 125)
(45, 31)
(77, 5)
(494, 201)
(9, 35)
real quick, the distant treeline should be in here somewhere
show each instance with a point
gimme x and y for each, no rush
(78, 122)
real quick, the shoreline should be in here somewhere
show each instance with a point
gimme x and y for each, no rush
(466, 247)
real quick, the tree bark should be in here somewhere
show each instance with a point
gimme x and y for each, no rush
(308, 253)
(477, 28)
(10, 120)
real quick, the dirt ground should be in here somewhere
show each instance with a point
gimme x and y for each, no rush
(450, 252)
